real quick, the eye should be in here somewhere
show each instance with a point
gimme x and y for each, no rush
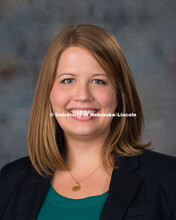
(99, 81)
(67, 81)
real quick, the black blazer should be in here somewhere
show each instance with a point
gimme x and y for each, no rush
(143, 188)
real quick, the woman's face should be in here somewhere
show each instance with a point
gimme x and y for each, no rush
(80, 86)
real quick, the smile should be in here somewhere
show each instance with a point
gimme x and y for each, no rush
(83, 112)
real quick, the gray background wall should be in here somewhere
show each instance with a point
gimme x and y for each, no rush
(146, 31)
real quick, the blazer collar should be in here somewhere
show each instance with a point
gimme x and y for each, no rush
(123, 186)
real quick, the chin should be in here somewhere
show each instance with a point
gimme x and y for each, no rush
(82, 133)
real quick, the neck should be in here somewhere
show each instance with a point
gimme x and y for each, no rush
(81, 154)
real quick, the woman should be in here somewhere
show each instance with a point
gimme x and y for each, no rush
(84, 163)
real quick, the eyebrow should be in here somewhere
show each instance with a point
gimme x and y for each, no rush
(71, 74)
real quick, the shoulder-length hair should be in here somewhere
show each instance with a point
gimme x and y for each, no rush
(45, 136)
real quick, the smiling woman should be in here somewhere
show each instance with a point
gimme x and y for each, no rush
(83, 166)
(77, 61)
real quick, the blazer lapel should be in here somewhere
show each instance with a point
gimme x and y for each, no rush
(123, 187)
(31, 196)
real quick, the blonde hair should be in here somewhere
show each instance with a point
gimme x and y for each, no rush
(45, 136)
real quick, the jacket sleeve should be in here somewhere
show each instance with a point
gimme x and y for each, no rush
(174, 207)
(6, 189)
(10, 177)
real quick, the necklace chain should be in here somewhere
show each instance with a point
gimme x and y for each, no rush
(77, 182)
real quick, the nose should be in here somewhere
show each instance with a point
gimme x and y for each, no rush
(83, 93)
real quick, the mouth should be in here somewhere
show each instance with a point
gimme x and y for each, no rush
(81, 112)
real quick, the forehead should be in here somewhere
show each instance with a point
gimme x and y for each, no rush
(78, 57)
(76, 52)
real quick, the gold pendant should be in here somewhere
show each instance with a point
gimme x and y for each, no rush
(76, 187)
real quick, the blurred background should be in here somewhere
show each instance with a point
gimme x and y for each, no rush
(146, 31)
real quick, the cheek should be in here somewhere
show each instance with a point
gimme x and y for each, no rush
(58, 98)
(107, 98)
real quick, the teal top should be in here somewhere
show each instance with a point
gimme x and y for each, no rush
(56, 206)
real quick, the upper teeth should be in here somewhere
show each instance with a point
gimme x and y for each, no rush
(82, 112)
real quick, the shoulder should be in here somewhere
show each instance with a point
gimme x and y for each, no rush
(16, 169)
(11, 177)
(165, 161)
(157, 165)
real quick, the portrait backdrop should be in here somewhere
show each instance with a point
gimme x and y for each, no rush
(145, 30)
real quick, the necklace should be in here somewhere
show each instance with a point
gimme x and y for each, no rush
(77, 186)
